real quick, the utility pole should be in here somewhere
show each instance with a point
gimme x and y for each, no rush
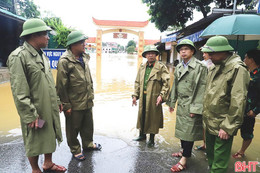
(234, 6)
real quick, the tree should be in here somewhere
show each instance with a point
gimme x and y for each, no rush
(29, 9)
(130, 49)
(175, 13)
(62, 31)
(131, 43)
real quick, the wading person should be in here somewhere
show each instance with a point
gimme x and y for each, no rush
(151, 88)
(35, 96)
(75, 89)
(224, 101)
(188, 90)
(252, 61)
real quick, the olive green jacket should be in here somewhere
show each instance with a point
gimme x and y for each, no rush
(35, 96)
(225, 96)
(74, 83)
(158, 84)
(188, 90)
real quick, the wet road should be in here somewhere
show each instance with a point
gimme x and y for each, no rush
(114, 123)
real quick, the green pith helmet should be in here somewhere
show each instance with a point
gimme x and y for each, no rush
(34, 25)
(185, 42)
(217, 44)
(75, 36)
(150, 48)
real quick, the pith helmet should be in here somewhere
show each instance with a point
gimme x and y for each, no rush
(74, 37)
(150, 48)
(217, 44)
(185, 42)
(34, 25)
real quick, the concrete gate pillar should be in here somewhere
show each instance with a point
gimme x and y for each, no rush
(140, 44)
(99, 43)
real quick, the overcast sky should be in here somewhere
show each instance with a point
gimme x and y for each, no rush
(78, 14)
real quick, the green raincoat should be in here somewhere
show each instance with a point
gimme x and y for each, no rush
(74, 83)
(225, 96)
(188, 89)
(158, 84)
(35, 96)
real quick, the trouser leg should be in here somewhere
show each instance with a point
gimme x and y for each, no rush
(87, 129)
(221, 153)
(210, 141)
(73, 125)
(187, 148)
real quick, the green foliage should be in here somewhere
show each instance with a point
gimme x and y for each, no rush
(130, 49)
(175, 13)
(131, 43)
(29, 9)
(61, 30)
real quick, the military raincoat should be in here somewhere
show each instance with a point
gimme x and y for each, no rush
(188, 89)
(158, 84)
(35, 96)
(225, 96)
(74, 83)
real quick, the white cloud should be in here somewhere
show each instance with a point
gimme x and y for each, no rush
(78, 14)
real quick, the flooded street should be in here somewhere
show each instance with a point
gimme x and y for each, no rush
(115, 119)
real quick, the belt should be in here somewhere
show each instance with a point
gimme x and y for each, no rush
(145, 92)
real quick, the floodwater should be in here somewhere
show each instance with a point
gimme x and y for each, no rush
(114, 115)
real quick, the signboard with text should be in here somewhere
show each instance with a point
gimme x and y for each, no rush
(54, 56)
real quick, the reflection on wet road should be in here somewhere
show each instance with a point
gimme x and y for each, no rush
(114, 115)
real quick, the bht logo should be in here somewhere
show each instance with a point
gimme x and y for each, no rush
(243, 167)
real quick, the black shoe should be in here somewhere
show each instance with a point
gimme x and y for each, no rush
(140, 138)
(150, 143)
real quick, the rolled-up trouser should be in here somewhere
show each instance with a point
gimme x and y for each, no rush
(218, 152)
(79, 122)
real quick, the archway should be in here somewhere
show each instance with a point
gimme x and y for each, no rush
(120, 27)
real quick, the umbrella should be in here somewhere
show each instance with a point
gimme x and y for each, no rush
(240, 27)
(235, 27)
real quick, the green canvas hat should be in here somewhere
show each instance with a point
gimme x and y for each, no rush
(217, 44)
(185, 42)
(150, 48)
(34, 25)
(75, 36)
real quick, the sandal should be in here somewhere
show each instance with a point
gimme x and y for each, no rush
(201, 147)
(95, 147)
(179, 154)
(55, 168)
(177, 168)
(238, 155)
(80, 157)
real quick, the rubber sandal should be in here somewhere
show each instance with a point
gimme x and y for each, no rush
(95, 147)
(179, 154)
(80, 157)
(201, 147)
(176, 168)
(55, 168)
(238, 155)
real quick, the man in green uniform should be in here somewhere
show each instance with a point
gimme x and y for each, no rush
(224, 101)
(35, 96)
(188, 90)
(151, 88)
(252, 61)
(75, 89)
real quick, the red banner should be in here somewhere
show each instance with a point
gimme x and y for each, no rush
(120, 35)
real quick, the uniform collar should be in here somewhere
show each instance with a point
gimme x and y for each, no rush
(191, 63)
(152, 65)
(255, 71)
(31, 49)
